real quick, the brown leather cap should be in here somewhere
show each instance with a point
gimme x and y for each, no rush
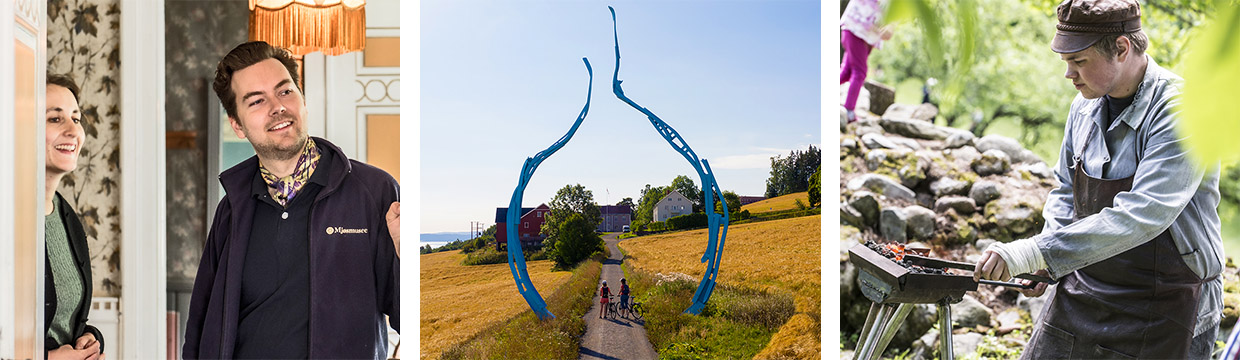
(1083, 22)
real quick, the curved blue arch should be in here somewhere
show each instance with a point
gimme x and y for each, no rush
(718, 222)
(516, 260)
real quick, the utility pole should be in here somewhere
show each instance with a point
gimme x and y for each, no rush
(475, 229)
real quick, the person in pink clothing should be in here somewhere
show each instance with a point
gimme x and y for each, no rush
(605, 297)
(859, 33)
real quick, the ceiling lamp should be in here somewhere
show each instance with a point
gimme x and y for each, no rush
(333, 27)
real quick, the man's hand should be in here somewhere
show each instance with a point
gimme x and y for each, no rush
(991, 267)
(393, 224)
(1037, 290)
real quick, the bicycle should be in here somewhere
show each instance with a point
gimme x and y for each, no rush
(636, 311)
(612, 308)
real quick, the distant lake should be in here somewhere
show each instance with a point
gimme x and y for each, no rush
(433, 244)
(440, 239)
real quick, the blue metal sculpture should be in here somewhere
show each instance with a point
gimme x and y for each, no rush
(516, 260)
(714, 249)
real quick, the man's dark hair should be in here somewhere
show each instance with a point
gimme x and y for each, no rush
(241, 57)
(1106, 45)
(66, 82)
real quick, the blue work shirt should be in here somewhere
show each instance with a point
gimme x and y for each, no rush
(1169, 190)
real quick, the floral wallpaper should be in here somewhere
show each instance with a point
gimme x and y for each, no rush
(82, 41)
(199, 33)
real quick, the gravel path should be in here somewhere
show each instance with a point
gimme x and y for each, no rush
(618, 338)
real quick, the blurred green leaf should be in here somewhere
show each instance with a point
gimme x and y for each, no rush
(1212, 78)
(966, 12)
(923, 13)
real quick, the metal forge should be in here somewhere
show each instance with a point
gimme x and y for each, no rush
(894, 278)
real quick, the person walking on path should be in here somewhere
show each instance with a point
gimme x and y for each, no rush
(859, 33)
(624, 294)
(605, 295)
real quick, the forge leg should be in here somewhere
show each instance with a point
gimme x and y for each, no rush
(878, 316)
(885, 330)
(945, 331)
(869, 324)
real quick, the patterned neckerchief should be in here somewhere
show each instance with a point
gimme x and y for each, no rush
(287, 187)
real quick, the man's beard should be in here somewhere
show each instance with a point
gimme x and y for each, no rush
(271, 150)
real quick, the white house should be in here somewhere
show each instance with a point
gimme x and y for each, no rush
(672, 205)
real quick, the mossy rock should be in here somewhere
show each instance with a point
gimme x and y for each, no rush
(952, 229)
(1231, 310)
(905, 166)
(848, 165)
(1013, 218)
(945, 167)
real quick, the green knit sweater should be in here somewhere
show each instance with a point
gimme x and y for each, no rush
(65, 276)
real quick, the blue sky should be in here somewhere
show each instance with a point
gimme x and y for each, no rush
(501, 81)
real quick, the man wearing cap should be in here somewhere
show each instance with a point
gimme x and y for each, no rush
(1132, 232)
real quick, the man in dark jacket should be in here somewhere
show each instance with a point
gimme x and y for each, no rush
(299, 262)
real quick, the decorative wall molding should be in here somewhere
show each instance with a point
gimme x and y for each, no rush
(29, 14)
(362, 112)
(378, 90)
(359, 66)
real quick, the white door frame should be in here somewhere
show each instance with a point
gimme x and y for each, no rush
(143, 321)
(31, 13)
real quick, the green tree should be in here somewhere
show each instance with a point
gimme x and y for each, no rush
(577, 241)
(734, 203)
(685, 186)
(791, 174)
(628, 202)
(1013, 84)
(571, 199)
(815, 188)
(650, 195)
(1014, 80)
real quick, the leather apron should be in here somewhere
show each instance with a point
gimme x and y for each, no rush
(1141, 303)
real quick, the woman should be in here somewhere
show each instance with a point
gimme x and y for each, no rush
(67, 274)
(605, 294)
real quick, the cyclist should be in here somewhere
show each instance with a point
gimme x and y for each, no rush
(605, 296)
(624, 294)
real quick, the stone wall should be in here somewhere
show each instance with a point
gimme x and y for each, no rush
(904, 179)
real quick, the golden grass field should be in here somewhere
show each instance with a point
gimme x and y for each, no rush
(459, 301)
(778, 255)
(785, 202)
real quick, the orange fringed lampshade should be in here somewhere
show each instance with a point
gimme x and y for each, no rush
(333, 27)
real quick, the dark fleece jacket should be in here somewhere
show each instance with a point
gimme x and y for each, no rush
(354, 271)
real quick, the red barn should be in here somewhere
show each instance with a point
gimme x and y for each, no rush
(529, 231)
